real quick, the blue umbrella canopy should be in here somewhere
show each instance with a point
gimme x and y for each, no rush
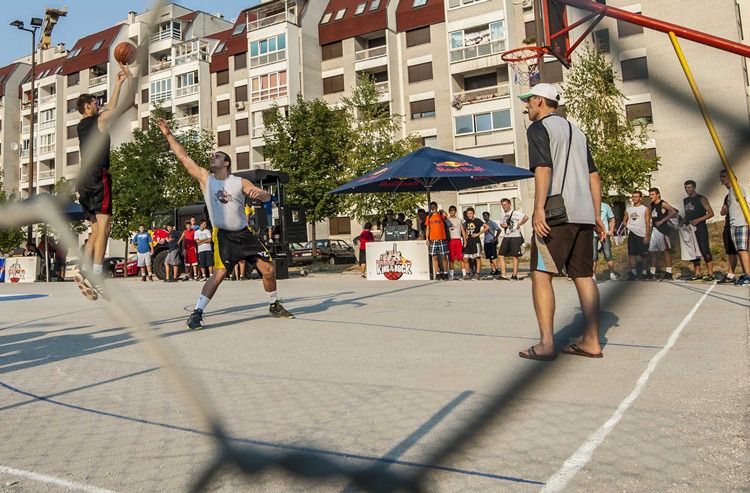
(433, 170)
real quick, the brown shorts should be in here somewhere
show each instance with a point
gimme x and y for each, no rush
(567, 249)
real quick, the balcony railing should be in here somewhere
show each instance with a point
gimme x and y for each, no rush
(191, 57)
(49, 148)
(187, 121)
(287, 16)
(48, 124)
(158, 97)
(186, 91)
(269, 93)
(24, 177)
(261, 165)
(51, 98)
(24, 153)
(382, 87)
(27, 126)
(258, 132)
(173, 33)
(479, 95)
(370, 53)
(275, 56)
(96, 81)
(479, 50)
(45, 174)
(159, 66)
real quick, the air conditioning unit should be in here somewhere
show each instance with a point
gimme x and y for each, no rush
(239, 105)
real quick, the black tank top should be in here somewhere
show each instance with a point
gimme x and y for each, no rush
(658, 213)
(727, 228)
(694, 208)
(87, 128)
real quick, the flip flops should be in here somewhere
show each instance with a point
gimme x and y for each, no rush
(531, 354)
(576, 350)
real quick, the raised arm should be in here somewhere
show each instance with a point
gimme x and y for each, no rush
(254, 192)
(195, 171)
(115, 110)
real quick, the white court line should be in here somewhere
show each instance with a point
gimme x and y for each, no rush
(558, 481)
(43, 478)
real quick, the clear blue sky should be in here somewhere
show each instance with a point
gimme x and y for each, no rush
(86, 17)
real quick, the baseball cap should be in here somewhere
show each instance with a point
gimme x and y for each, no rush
(544, 90)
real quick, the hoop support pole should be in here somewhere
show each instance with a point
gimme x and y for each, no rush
(710, 124)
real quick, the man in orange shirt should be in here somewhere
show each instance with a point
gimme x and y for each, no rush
(437, 240)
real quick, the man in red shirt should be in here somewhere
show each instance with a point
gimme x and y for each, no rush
(437, 240)
(364, 237)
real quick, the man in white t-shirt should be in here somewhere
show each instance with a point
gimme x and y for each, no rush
(205, 251)
(455, 242)
(739, 228)
(512, 244)
(638, 222)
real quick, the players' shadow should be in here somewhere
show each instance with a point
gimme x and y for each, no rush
(727, 298)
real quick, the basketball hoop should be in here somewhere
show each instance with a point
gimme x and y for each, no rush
(524, 63)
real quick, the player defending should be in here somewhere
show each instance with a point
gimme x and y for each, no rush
(95, 186)
(225, 195)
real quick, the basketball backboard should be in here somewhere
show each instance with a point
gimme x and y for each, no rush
(551, 29)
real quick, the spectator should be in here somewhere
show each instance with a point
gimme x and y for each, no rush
(738, 227)
(144, 251)
(31, 251)
(401, 217)
(605, 244)
(697, 212)
(172, 262)
(61, 259)
(421, 218)
(638, 222)
(472, 231)
(205, 250)
(661, 214)
(490, 243)
(437, 240)
(729, 249)
(364, 237)
(512, 244)
(190, 250)
(455, 242)
(194, 224)
(411, 233)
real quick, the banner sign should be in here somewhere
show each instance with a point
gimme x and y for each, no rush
(21, 269)
(398, 261)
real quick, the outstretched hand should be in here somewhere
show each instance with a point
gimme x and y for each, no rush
(163, 126)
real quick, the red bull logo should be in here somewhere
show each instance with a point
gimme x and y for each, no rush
(373, 176)
(452, 164)
(458, 167)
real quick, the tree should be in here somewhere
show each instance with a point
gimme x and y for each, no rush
(147, 177)
(10, 238)
(372, 145)
(310, 145)
(596, 103)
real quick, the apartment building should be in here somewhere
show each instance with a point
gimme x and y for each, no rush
(269, 56)
(10, 126)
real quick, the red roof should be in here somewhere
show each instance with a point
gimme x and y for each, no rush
(6, 72)
(189, 17)
(88, 57)
(409, 17)
(351, 25)
(231, 44)
(46, 69)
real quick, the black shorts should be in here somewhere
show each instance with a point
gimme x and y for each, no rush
(490, 251)
(567, 248)
(701, 237)
(729, 247)
(363, 256)
(512, 246)
(234, 246)
(206, 259)
(636, 247)
(95, 194)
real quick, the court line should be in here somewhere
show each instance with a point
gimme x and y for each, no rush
(558, 481)
(43, 478)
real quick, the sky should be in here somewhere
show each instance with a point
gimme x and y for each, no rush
(86, 17)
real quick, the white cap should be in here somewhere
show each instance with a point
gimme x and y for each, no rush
(544, 90)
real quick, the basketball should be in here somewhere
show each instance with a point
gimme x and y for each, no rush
(125, 52)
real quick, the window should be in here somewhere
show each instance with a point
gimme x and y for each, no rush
(144, 123)
(268, 50)
(72, 158)
(222, 77)
(97, 45)
(187, 79)
(635, 68)
(375, 5)
(529, 29)
(239, 29)
(422, 109)
(240, 93)
(482, 122)
(478, 41)
(339, 226)
(241, 127)
(222, 107)
(243, 160)
(625, 29)
(160, 90)
(268, 86)
(72, 105)
(340, 15)
(223, 138)
(221, 47)
(326, 18)
(74, 53)
(333, 84)
(649, 154)
(74, 78)
(360, 8)
(333, 50)
(480, 81)
(553, 72)
(429, 141)
(639, 113)
(47, 116)
(72, 132)
(418, 36)
(420, 72)
(601, 40)
(240, 61)
(144, 96)
(419, 3)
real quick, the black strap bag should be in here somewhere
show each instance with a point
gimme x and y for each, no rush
(555, 212)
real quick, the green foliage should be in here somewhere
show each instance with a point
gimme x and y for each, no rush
(147, 177)
(10, 239)
(372, 144)
(310, 144)
(596, 104)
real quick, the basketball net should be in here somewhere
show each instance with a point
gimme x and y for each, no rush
(524, 64)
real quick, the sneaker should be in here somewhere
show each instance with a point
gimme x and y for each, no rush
(647, 276)
(86, 286)
(278, 311)
(477, 277)
(729, 280)
(467, 277)
(151, 277)
(613, 276)
(513, 278)
(195, 322)
(743, 281)
(667, 277)
(143, 278)
(632, 277)
(695, 278)
(708, 278)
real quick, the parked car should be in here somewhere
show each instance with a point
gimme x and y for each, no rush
(331, 251)
(132, 267)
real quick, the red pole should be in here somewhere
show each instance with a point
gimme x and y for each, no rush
(659, 25)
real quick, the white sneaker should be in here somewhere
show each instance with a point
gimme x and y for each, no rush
(613, 276)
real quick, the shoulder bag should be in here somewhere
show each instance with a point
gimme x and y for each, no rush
(555, 212)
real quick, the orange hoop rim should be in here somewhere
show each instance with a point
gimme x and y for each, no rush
(524, 54)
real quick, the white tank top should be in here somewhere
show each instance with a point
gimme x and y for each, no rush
(225, 201)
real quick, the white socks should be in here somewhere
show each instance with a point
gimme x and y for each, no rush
(272, 297)
(202, 303)
(98, 269)
(653, 270)
(668, 269)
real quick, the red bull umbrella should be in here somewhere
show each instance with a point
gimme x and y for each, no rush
(432, 170)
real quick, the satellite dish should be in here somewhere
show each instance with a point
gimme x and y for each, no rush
(14, 146)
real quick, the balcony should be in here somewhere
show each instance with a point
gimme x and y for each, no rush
(187, 121)
(24, 153)
(269, 93)
(271, 20)
(27, 126)
(97, 81)
(158, 97)
(159, 66)
(478, 50)
(24, 176)
(258, 132)
(45, 174)
(261, 165)
(47, 124)
(275, 56)
(48, 149)
(478, 95)
(370, 53)
(191, 57)
(181, 92)
(382, 87)
(51, 98)
(170, 33)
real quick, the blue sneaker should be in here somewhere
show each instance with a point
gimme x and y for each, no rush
(743, 281)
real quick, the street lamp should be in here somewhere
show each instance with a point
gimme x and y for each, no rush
(36, 23)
